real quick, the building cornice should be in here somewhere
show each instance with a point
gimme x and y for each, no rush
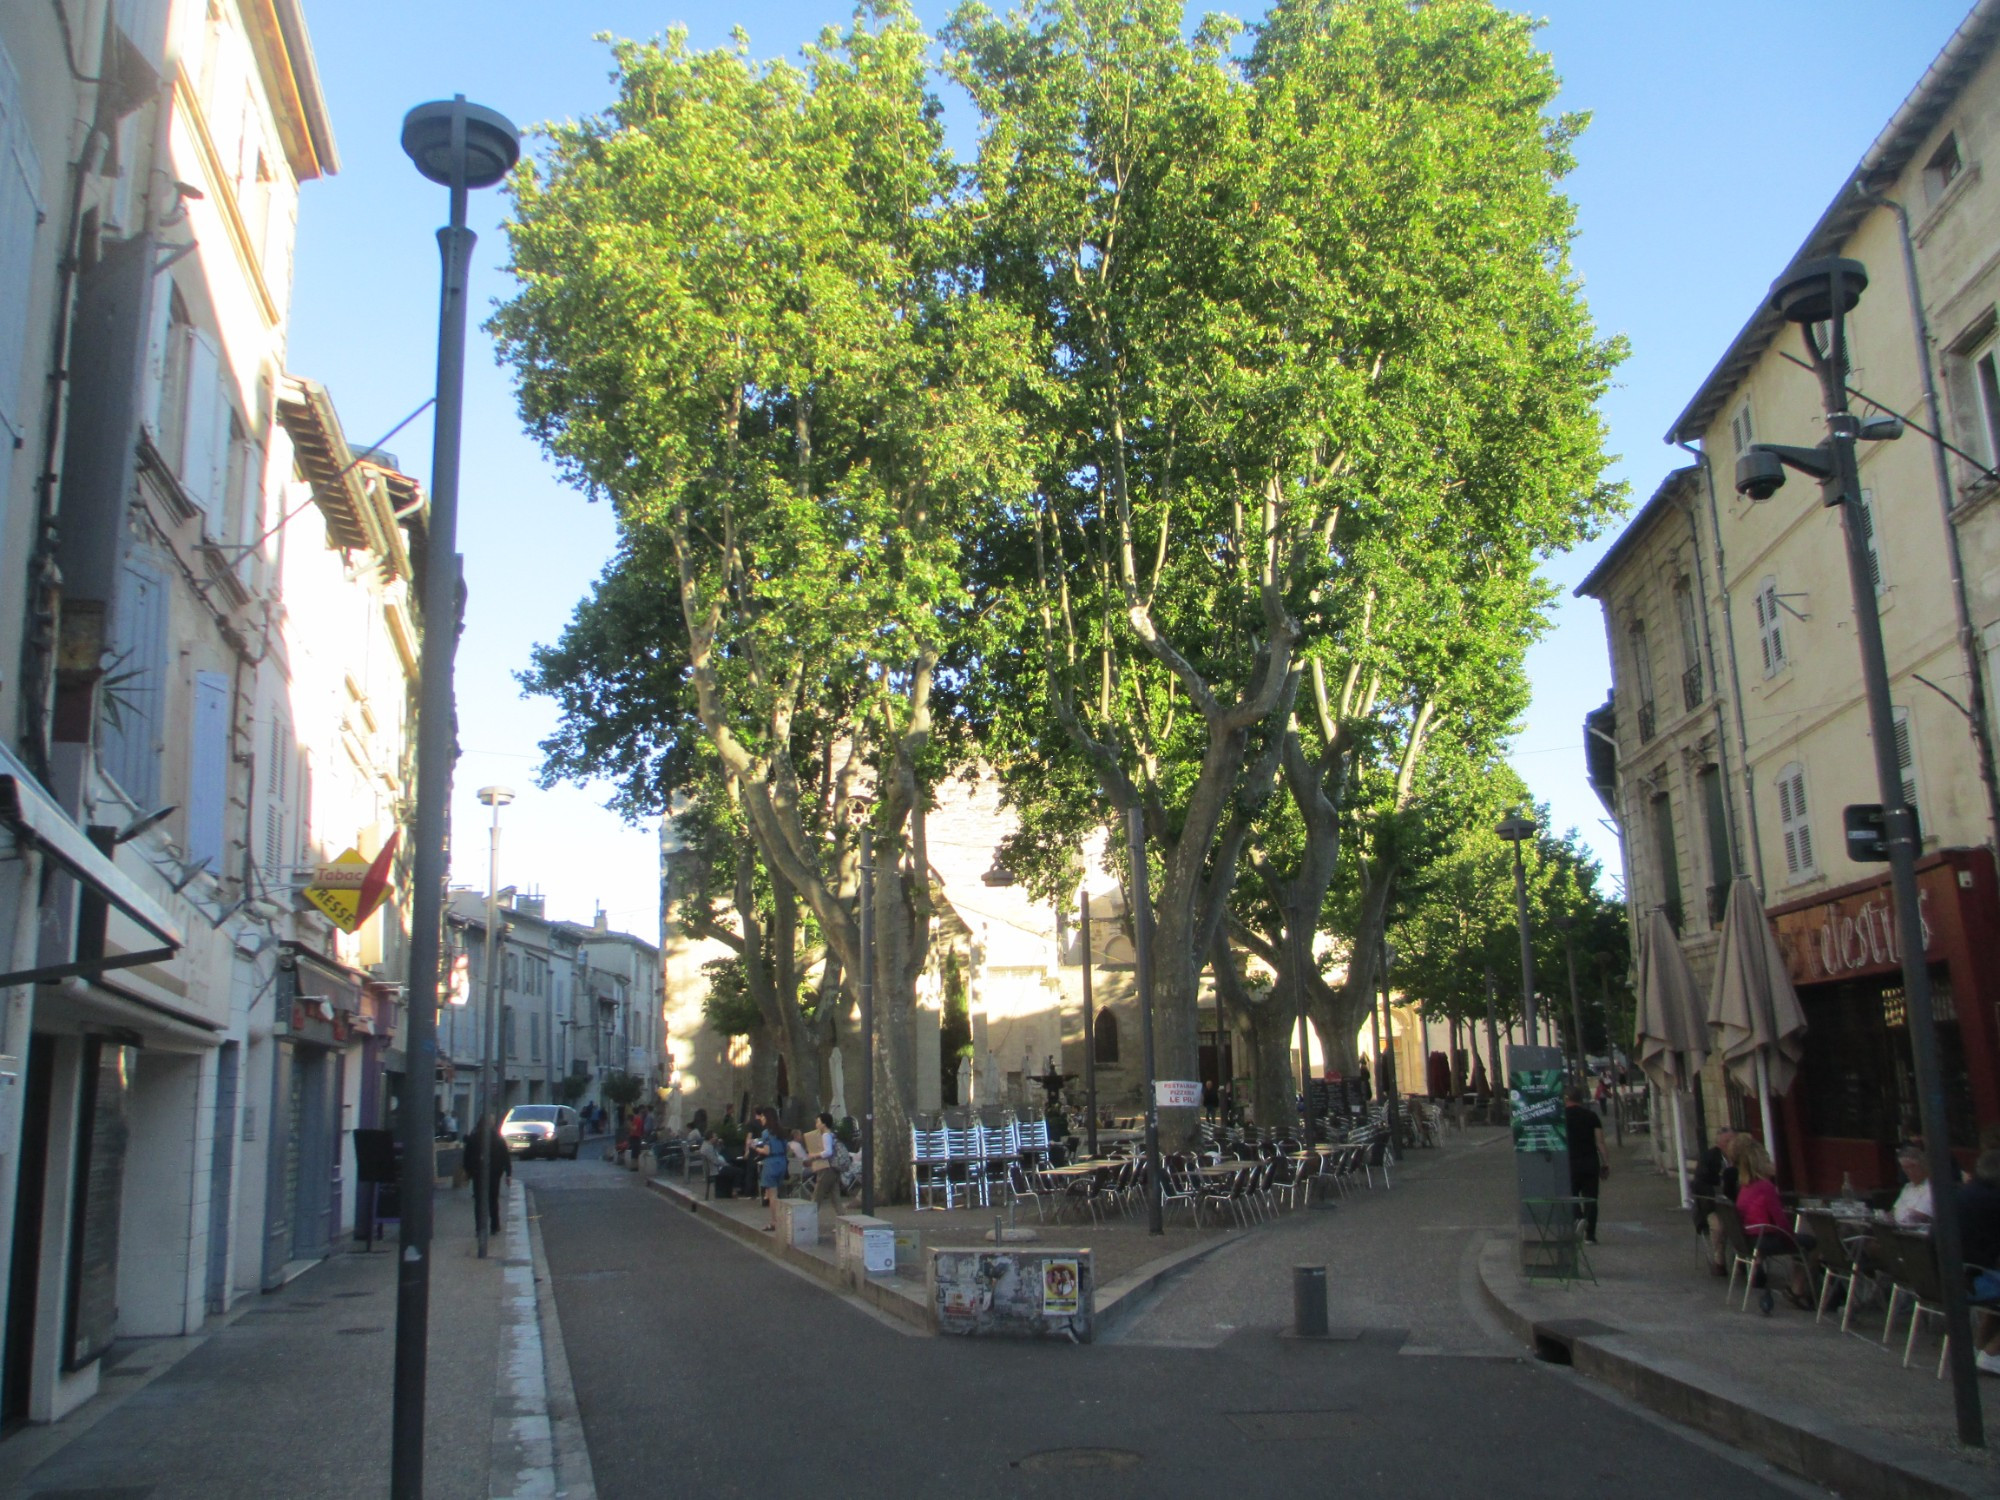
(283, 47)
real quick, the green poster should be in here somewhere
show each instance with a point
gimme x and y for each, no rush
(1537, 1098)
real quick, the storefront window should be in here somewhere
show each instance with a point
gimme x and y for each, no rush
(1852, 1030)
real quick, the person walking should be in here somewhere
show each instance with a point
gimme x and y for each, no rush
(1589, 1161)
(487, 1160)
(823, 1161)
(773, 1163)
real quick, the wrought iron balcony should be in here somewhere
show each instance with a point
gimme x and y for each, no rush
(1647, 724)
(1691, 687)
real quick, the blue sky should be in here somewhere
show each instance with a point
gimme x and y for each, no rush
(1720, 130)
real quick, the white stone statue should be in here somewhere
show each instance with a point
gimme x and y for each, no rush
(964, 1081)
(837, 1069)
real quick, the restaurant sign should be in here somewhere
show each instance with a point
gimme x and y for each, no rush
(1856, 934)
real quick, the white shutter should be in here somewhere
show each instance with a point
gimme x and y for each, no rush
(1770, 628)
(133, 718)
(20, 219)
(203, 446)
(1793, 821)
(1906, 755)
(208, 769)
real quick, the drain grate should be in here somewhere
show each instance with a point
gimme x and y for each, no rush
(1077, 1460)
(1296, 1426)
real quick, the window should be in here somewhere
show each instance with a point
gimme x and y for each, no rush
(1794, 822)
(1692, 684)
(20, 220)
(1667, 852)
(1104, 1037)
(134, 690)
(278, 756)
(535, 1036)
(175, 350)
(1770, 628)
(208, 770)
(1942, 170)
(1715, 820)
(1864, 517)
(1906, 754)
(1973, 374)
(507, 1030)
(1741, 433)
(1642, 677)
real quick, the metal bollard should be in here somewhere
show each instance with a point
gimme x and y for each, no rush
(1309, 1302)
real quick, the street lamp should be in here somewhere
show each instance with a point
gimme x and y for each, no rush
(1566, 925)
(1818, 295)
(495, 797)
(1517, 830)
(460, 146)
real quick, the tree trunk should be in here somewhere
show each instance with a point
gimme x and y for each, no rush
(1268, 1024)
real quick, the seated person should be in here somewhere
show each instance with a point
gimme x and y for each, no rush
(1714, 1177)
(1763, 1216)
(1913, 1203)
(725, 1175)
(1979, 1232)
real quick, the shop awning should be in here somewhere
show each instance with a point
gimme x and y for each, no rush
(39, 820)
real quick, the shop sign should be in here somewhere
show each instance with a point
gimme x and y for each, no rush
(350, 889)
(1177, 1093)
(1854, 935)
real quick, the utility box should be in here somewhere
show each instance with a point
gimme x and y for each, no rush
(798, 1222)
(867, 1246)
(1013, 1293)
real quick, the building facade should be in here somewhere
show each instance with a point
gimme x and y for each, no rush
(1737, 732)
(210, 645)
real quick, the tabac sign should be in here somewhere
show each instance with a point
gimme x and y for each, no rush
(350, 889)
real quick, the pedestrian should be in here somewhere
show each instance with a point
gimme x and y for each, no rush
(635, 1138)
(1589, 1161)
(487, 1160)
(1763, 1215)
(1714, 1177)
(728, 1127)
(825, 1163)
(1979, 1232)
(768, 1151)
(1210, 1098)
(724, 1175)
(1913, 1206)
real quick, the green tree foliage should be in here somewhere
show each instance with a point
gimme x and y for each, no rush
(1316, 388)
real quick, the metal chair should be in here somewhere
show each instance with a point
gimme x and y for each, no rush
(1911, 1261)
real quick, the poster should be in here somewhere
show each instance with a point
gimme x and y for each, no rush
(1537, 1100)
(1059, 1288)
(1177, 1093)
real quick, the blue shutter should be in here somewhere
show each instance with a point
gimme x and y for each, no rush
(133, 717)
(20, 218)
(208, 769)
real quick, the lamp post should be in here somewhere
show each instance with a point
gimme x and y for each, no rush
(866, 986)
(1566, 925)
(1142, 975)
(1390, 1090)
(1089, 1043)
(1305, 1033)
(1517, 830)
(1820, 294)
(495, 797)
(460, 146)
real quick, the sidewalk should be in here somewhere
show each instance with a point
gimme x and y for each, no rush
(289, 1395)
(1839, 1409)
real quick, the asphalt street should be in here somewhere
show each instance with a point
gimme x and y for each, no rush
(703, 1368)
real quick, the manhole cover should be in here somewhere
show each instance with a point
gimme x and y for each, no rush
(1294, 1426)
(1074, 1460)
(368, 1328)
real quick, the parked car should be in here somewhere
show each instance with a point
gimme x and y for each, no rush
(542, 1130)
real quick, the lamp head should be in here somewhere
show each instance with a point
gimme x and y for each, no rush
(1815, 290)
(1760, 473)
(492, 144)
(496, 796)
(1515, 829)
(1881, 429)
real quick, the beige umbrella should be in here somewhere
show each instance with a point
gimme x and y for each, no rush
(1672, 1034)
(1755, 1012)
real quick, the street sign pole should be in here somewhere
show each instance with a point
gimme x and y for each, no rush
(1089, 1044)
(867, 989)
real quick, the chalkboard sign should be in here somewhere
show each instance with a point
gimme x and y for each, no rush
(100, 1177)
(375, 1155)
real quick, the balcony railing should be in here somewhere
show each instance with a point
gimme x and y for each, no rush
(1647, 726)
(1718, 904)
(1691, 687)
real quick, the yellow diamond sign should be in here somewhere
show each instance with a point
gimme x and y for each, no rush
(349, 889)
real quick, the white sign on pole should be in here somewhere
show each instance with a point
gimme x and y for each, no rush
(1177, 1093)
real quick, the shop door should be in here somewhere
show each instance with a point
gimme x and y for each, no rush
(222, 1175)
(30, 1189)
(282, 1199)
(313, 1172)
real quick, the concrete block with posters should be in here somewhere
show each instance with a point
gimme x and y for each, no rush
(1015, 1293)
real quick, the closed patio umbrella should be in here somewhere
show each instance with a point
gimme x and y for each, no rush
(1672, 1031)
(1755, 1013)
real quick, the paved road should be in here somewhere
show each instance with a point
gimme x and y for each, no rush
(703, 1368)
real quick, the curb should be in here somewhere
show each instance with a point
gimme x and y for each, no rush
(1116, 1303)
(573, 1476)
(1856, 1465)
(522, 1460)
(885, 1296)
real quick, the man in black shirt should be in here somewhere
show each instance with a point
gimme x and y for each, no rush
(1979, 1240)
(1588, 1160)
(1714, 1178)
